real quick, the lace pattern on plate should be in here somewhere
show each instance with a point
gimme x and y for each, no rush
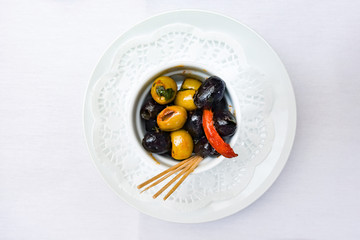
(174, 43)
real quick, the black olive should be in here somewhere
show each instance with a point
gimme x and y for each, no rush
(157, 142)
(151, 125)
(194, 124)
(211, 91)
(150, 109)
(225, 123)
(220, 106)
(204, 149)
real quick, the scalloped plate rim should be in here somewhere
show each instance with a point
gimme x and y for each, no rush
(230, 208)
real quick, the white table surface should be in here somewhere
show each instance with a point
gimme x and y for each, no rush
(49, 187)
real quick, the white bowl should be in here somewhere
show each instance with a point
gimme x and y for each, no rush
(191, 70)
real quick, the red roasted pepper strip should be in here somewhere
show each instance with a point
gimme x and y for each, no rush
(213, 136)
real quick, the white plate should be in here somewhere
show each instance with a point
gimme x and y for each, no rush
(253, 72)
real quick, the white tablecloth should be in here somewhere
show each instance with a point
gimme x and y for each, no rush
(49, 187)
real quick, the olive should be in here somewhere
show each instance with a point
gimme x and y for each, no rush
(163, 90)
(151, 125)
(172, 118)
(194, 124)
(211, 91)
(185, 99)
(204, 149)
(220, 106)
(225, 123)
(190, 83)
(182, 144)
(150, 109)
(157, 142)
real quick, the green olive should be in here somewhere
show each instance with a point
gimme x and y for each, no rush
(163, 90)
(190, 83)
(172, 118)
(185, 98)
(182, 144)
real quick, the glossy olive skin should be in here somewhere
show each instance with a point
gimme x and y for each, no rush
(210, 92)
(185, 98)
(182, 144)
(220, 106)
(194, 124)
(150, 109)
(172, 118)
(225, 123)
(163, 90)
(157, 142)
(151, 125)
(203, 148)
(190, 83)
